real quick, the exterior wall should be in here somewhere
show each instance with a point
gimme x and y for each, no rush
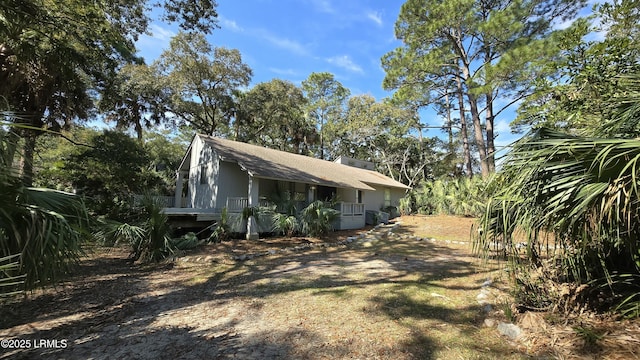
(221, 179)
(374, 200)
(232, 182)
(396, 195)
(347, 195)
(203, 158)
(362, 164)
(350, 222)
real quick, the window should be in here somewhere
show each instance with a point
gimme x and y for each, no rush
(387, 197)
(203, 174)
(359, 197)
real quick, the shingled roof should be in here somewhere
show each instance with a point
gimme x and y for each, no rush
(279, 165)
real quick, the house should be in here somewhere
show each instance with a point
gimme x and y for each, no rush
(221, 173)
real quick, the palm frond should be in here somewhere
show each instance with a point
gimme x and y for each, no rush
(583, 191)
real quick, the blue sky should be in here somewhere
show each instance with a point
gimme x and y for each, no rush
(290, 39)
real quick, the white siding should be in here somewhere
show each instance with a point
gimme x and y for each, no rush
(396, 195)
(374, 200)
(350, 222)
(203, 158)
(232, 182)
(221, 179)
(347, 195)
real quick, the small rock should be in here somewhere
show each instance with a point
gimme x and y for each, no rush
(489, 322)
(509, 330)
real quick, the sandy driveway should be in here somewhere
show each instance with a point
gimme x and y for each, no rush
(387, 296)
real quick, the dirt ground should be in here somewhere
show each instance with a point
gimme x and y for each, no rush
(403, 292)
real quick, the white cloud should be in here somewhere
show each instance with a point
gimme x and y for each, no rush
(563, 25)
(230, 24)
(323, 6)
(151, 46)
(345, 62)
(502, 126)
(284, 43)
(375, 17)
(261, 33)
(160, 33)
(290, 72)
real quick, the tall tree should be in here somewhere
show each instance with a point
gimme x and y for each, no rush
(110, 171)
(56, 56)
(326, 102)
(365, 121)
(201, 81)
(591, 77)
(384, 133)
(272, 115)
(494, 47)
(136, 98)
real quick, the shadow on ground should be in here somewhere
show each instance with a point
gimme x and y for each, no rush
(322, 303)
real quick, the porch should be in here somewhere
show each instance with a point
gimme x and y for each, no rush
(352, 215)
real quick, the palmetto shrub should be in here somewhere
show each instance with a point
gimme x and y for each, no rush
(285, 224)
(284, 217)
(459, 196)
(44, 227)
(11, 281)
(577, 203)
(147, 231)
(317, 218)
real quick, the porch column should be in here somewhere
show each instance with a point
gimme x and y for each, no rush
(252, 226)
(178, 196)
(311, 194)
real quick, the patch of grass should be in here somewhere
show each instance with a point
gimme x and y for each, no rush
(590, 335)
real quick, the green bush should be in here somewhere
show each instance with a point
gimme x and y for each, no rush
(582, 193)
(317, 218)
(44, 227)
(285, 224)
(147, 232)
(186, 242)
(222, 230)
(460, 196)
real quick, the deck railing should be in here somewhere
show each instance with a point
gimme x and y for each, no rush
(350, 209)
(236, 204)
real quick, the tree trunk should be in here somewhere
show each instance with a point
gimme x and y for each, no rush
(27, 157)
(475, 118)
(479, 137)
(463, 130)
(490, 136)
(10, 148)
